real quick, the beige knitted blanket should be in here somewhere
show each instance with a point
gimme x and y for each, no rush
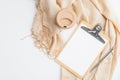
(47, 34)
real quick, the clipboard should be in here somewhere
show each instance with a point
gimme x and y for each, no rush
(82, 49)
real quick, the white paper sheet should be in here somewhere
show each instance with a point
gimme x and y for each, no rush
(80, 51)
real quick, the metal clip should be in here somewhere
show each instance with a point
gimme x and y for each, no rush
(94, 32)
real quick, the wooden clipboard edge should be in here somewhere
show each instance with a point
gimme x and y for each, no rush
(59, 51)
(92, 64)
(103, 36)
(101, 32)
(69, 69)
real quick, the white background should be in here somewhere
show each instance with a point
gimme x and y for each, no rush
(19, 59)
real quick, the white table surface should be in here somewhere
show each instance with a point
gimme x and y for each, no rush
(19, 59)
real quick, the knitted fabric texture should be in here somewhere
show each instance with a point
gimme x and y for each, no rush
(47, 34)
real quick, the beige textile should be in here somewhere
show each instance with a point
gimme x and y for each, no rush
(46, 32)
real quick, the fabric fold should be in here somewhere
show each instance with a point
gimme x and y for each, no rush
(47, 34)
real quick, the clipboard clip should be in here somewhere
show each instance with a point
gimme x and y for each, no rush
(94, 32)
